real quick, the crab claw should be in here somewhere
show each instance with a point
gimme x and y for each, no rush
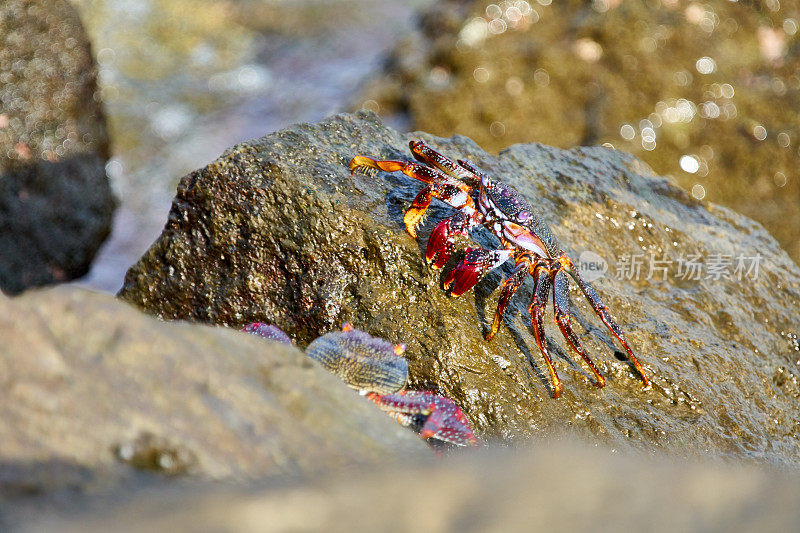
(432, 415)
(440, 245)
(448, 423)
(475, 264)
(467, 273)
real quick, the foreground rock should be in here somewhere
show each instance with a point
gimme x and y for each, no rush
(55, 200)
(578, 488)
(95, 392)
(277, 230)
(714, 83)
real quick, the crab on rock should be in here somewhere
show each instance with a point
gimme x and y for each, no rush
(481, 201)
(377, 369)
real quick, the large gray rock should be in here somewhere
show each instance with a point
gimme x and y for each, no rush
(278, 230)
(55, 200)
(94, 392)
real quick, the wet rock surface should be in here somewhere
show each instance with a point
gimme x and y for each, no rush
(55, 201)
(98, 397)
(715, 83)
(277, 230)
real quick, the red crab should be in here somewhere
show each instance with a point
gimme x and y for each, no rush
(376, 368)
(481, 201)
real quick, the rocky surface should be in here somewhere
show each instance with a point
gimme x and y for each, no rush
(567, 484)
(98, 397)
(277, 230)
(715, 82)
(55, 200)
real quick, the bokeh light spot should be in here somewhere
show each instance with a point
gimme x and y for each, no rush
(689, 163)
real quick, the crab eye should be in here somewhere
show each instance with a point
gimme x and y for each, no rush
(522, 216)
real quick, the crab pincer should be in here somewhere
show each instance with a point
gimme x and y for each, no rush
(437, 417)
(475, 264)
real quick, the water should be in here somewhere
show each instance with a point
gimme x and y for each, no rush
(183, 81)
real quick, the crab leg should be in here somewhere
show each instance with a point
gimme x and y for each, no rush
(475, 264)
(602, 311)
(561, 306)
(446, 188)
(424, 153)
(423, 173)
(541, 292)
(510, 286)
(471, 168)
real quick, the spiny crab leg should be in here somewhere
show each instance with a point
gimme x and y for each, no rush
(602, 311)
(541, 293)
(510, 286)
(444, 179)
(424, 153)
(561, 307)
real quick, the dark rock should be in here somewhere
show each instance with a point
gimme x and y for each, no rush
(714, 81)
(277, 230)
(55, 200)
(96, 396)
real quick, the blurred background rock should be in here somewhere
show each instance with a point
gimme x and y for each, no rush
(707, 92)
(55, 200)
(182, 81)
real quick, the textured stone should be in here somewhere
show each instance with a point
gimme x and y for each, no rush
(277, 230)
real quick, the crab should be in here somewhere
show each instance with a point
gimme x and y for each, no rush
(483, 202)
(378, 370)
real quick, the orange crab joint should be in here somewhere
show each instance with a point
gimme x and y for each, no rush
(347, 326)
(361, 162)
(399, 349)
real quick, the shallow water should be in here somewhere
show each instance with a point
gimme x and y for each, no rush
(183, 81)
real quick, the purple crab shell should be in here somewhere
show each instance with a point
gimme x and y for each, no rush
(267, 331)
(364, 362)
